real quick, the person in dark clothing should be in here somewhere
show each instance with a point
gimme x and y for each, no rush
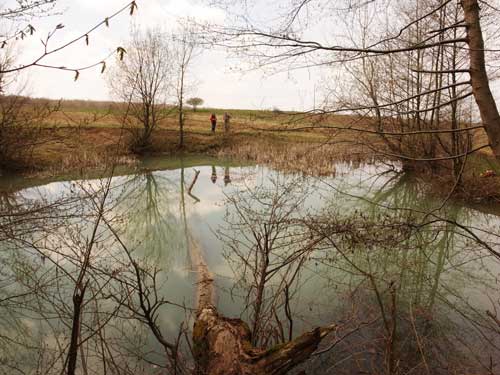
(227, 117)
(213, 120)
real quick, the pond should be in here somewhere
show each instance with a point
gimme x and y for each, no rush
(412, 284)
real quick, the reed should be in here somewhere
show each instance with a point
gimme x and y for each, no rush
(318, 159)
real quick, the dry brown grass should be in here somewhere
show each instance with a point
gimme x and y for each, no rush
(89, 135)
(85, 134)
(309, 158)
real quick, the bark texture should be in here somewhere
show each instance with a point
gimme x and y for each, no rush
(479, 77)
(223, 346)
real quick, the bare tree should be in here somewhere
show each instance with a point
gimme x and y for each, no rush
(21, 120)
(195, 103)
(288, 42)
(266, 245)
(429, 117)
(144, 79)
(184, 51)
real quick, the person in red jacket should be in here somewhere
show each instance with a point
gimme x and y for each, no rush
(213, 120)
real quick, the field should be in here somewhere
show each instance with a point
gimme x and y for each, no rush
(86, 134)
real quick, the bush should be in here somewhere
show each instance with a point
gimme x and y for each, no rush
(20, 130)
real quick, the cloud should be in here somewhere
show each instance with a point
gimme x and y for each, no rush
(156, 11)
(218, 84)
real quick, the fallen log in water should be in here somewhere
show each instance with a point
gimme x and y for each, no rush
(222, 346)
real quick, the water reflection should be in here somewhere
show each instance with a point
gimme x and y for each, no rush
(404, 289)
(289, 253)
(213, 177)
(227, 177)
(151, 211)
(417, 281)
(266, 246)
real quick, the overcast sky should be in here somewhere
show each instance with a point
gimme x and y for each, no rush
(218, 81)
(218, 84)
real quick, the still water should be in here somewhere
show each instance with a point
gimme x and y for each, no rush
(412, 284)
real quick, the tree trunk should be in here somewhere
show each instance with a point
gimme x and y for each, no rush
(75, 331)
(222, 346)
(181, 126)
(479, 78)
(181, 108)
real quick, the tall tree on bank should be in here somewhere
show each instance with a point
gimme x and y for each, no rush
(292, 43)
(436, 120)
(478, 74)
(184, 50)
(144, 79)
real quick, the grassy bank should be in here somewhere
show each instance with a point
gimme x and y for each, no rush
(87, 134)
(83, 136)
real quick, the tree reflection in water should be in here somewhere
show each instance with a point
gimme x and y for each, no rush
(405, 295)
(408, 291)
(151, 205)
